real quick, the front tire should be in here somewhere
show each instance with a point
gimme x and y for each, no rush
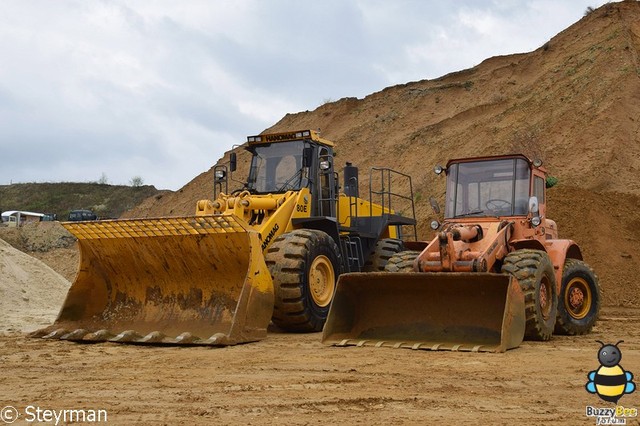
(383, 251)
(402, 261)
(534, 271)
(304, 266)
(579, 300)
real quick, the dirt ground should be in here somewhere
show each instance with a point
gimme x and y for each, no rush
(295, 380)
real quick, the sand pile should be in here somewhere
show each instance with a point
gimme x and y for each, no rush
(31, 293)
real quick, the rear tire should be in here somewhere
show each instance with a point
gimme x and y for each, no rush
(304, 265)
(383, 251)
(402, 261)
(534, 271)
(579, 300)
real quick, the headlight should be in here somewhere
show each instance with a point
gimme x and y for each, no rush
(325, 165)
(438, 169)
(219, 174)
(535, 221)
(435, 225)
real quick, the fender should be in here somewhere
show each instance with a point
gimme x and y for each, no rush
(527, 244)
(559, 251)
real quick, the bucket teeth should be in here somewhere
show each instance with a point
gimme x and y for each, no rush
(99, 336)
(216, 339)
(75, 334)
(126, 336)
(186, 338)
(131, 336)
(39, 333)
(153, 337)
(56, 334)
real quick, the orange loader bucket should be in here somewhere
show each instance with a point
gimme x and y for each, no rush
(433, 311)
(190, 280)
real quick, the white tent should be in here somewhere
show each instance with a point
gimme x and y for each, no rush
(17, 217)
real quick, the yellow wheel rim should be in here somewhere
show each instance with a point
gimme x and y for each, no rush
(577, 298)
(322, 281)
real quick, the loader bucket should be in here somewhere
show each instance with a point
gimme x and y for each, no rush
(434, 311)
(184, 280)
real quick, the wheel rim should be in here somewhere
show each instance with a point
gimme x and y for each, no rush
(546, 298)
(321, 281)
(577, 298)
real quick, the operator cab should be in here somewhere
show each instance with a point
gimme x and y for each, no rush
(492, 187)
(277, 167)
(291, 161)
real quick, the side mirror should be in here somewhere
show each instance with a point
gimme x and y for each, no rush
(233, 162)
(534, 206)
(307, 156)
(534, 209)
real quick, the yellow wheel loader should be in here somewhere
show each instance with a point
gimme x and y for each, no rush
(269, 251)
(495, 272)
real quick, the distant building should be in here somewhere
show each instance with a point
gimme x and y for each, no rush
(19, 218)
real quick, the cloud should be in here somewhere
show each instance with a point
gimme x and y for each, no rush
(162, 89)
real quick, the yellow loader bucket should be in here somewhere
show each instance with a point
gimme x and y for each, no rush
(183, 280)
(433, 311)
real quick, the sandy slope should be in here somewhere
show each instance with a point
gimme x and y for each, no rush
(31, 293)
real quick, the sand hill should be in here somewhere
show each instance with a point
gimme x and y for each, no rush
(31, 293)
(574, 102)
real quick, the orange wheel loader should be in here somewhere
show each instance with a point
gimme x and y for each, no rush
(495, 272)
(269, 251)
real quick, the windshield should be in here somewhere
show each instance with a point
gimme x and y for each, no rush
(488, 188)
(277, 167)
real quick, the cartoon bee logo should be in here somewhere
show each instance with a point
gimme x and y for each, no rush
(610, 381)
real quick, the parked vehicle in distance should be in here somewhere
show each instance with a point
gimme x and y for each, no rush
(81, 215)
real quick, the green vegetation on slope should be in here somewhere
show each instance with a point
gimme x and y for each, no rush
(107, 201)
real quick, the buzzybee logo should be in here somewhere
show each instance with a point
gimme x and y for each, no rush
(610, 382)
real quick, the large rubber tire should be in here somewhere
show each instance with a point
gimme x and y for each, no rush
(402, 261)
(384, 249)
(534, 271)
(304, 265)
(579, 299)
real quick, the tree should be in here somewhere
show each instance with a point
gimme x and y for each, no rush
(136, 181)
(103, 179)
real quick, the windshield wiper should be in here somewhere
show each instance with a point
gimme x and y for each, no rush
(469, 213)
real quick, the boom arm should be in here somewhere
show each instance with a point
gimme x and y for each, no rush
(466, 248)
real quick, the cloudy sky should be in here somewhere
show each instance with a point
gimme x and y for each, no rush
(94, 89)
